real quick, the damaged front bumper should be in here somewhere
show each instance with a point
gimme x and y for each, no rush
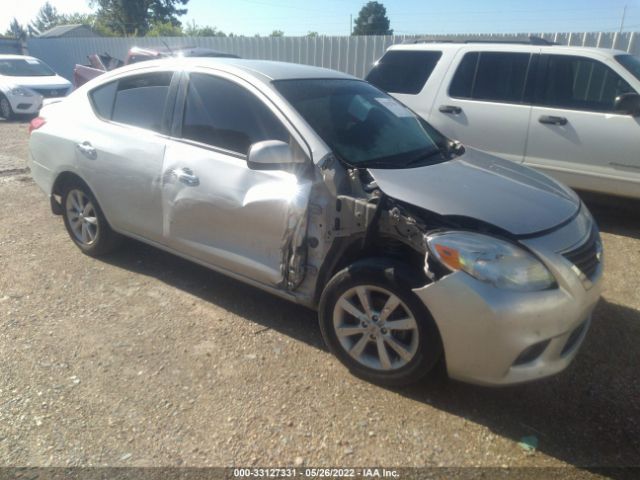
(493, 336)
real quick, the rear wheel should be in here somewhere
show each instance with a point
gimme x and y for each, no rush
(85, 222)
(5, 108)
(376, 326)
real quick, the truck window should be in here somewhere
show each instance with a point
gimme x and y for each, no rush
(579, 83)
(491, 76)
(401, 71)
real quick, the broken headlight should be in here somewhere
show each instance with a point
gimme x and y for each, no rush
(488, 259)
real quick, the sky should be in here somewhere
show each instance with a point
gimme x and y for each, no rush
(331, 17)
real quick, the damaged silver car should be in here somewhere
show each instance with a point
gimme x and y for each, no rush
(322, 189)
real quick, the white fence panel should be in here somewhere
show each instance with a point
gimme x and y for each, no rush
(354, 55)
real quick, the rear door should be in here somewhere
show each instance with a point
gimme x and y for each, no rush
(576, 134)
(215, 208)
(120, 152)
(484, 101)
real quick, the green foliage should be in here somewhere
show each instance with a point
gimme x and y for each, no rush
(16, 30)
(277, 33)
(313, 34)
(192, 29)
(372, 20)
(137, 17)
(164, 29)
(46, 18)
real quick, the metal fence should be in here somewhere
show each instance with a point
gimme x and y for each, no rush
(9, 45)
(353, 55)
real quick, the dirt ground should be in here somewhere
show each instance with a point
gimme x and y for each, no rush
(143, 359)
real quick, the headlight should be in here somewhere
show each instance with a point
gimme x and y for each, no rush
(21, 92)
(490, 260)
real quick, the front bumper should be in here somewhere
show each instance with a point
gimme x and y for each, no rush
(23, 105)
(487, 332)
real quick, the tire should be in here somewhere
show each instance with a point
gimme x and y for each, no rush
(5, 108)
(412, 344)
(85, 222)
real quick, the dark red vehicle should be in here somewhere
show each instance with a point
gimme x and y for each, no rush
(100, 63)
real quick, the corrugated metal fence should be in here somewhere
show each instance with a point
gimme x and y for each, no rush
(9, 45)
(353, 55)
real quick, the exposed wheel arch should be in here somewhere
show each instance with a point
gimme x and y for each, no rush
(348, 251)
(63, 179)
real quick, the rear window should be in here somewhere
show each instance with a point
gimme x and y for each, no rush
(140, 100)
(491, 76)
(102, 99)
(403, 71)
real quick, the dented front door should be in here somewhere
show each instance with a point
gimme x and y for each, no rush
(219, 211)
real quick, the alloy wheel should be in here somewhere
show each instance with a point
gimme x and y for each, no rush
(376, 328)
(82, 216)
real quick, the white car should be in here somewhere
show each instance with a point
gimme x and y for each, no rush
(571, 112)
(25, 82)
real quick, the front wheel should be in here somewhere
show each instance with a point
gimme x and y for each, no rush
(376, 326)
(5, 108)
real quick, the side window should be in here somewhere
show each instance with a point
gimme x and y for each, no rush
(401, 71)
(491, 76)
(140, 100)
(102, 99)
(462, 82)
(579, 83)
(225, 115)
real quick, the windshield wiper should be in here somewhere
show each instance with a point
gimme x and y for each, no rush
(421, 158)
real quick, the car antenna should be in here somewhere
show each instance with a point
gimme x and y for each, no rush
(166, 45)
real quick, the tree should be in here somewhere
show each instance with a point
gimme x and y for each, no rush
(277, 33)
(16, 30)
(312, 34)
(372, 20)
(46, 18)
(136, 17)
(164, 29)
(194, 30)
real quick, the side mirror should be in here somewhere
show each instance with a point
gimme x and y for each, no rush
(271, 155)
(628, 104)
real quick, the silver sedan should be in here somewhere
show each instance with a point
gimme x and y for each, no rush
(322, 189)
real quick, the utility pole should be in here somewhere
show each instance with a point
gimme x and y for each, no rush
(624, 14)
(351, 24)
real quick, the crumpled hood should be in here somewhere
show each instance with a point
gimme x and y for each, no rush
(478, 185)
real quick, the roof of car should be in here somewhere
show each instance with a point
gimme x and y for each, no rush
(505, 46)
(263, 70)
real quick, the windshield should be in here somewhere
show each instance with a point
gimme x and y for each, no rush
(362, 125)
(631, 63)
(27, 67)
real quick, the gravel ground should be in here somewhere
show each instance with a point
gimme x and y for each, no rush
(144, 359)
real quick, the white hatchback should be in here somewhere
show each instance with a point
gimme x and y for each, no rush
(24, 84)
(571, 112)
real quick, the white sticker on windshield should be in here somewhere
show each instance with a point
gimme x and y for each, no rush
(396, 108)
(32, 61)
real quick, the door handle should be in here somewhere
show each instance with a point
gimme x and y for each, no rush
(552, 120)
(86, 149)
(450, 109)
(184, 175)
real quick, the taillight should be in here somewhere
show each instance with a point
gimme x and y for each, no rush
(36, 123)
